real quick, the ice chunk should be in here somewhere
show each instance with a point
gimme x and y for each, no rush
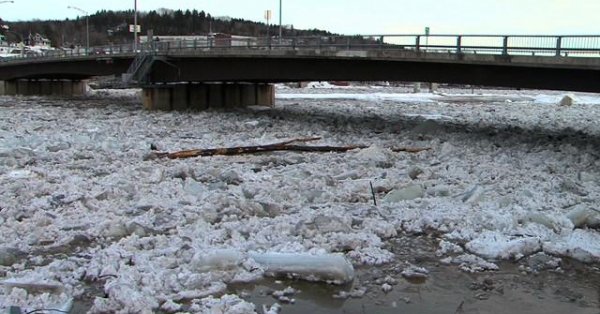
(217, 260)
(407, 193)
(582, 245)
(567, 100)
(470, 263)
(474, 195)
(375, 156)
(10, 256)
(582, 216)
(495, 245)
(331, 267)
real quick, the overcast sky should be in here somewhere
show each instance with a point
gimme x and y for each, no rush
(362, 16)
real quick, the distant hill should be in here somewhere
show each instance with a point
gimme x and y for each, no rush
(111, 27)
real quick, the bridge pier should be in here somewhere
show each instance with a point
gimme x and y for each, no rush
(202, 96)
(61, 88)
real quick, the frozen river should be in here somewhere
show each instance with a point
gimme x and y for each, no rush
(501, 211)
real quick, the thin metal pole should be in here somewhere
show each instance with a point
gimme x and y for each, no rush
(135, 35)
(280, 21)
(87, 33)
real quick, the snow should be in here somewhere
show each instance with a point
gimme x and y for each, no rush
(510, 174)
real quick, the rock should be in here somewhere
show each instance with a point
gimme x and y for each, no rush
(406, 193)
(414, 172)
(10, 256)
(567, 100)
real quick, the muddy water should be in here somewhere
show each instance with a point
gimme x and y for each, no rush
(447, 289)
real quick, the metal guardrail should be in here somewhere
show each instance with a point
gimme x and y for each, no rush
(508, 45)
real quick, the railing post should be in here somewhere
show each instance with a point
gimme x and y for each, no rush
(558, 45)
(418, 42)
(505, 46)
(459, 44)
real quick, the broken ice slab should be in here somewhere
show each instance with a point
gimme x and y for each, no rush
(31, 287)
(330, 268)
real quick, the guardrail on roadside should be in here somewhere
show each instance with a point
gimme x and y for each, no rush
(542, 45)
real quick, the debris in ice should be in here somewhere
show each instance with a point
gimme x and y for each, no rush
(582, 245)
(330, 268)
(406, 193)
(582, 216)
(495, 245)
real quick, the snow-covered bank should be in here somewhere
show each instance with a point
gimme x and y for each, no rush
(81, 205)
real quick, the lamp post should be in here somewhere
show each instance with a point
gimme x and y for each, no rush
(9, 1)
(87, 27)
(280, 20)
(135, 35)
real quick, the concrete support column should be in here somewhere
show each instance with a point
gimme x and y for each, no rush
(265, 95)
(10, 88)
(202, 96)
(60, 88)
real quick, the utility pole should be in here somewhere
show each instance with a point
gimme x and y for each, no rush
(87, 27)
(135, 27)
(280, 20)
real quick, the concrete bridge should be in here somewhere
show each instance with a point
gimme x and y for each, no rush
(200, 73)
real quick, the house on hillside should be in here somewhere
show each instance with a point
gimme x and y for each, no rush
(38, 41)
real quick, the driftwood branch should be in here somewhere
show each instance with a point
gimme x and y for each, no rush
(281, 146)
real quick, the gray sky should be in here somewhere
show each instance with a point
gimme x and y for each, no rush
(360, 16)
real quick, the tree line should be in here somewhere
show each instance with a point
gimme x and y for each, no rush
(112, 27)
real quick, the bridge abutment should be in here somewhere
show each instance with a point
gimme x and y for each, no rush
(60, 88)
(203, 96)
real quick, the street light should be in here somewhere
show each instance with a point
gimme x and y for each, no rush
(135, 35)
(87, 27)
(280, 19)
(10, 1)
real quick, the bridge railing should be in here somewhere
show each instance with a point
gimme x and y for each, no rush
(508, 45)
